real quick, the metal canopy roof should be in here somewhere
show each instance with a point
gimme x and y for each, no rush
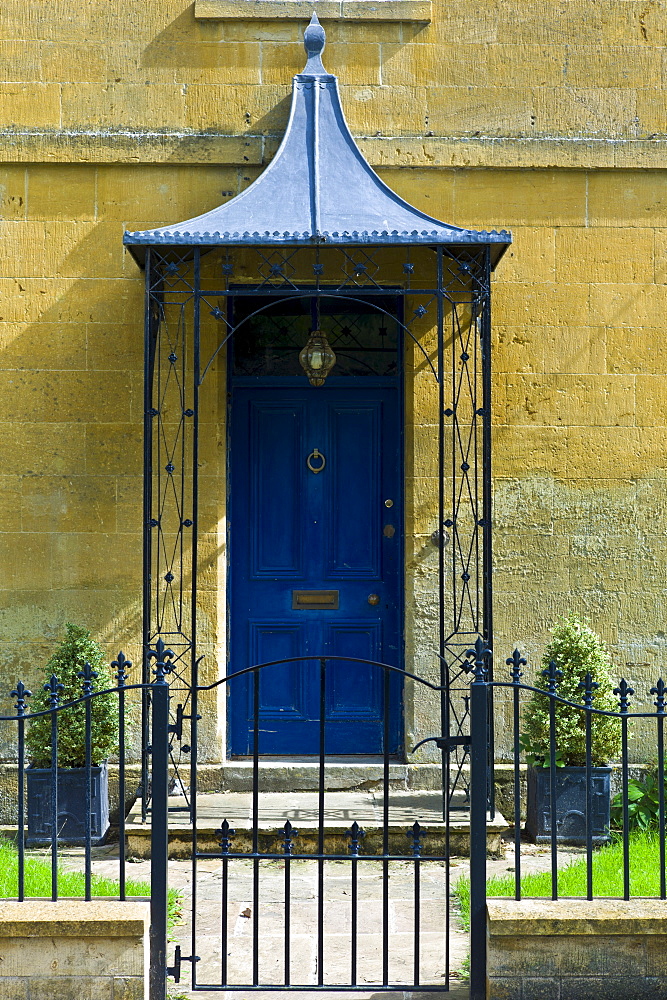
(317, 189)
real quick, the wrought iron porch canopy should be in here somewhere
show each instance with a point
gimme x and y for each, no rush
(318, 189)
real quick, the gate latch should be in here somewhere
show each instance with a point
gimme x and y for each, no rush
(175, 970)
(446, 743)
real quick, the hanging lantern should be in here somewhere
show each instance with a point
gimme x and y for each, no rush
(317, 358)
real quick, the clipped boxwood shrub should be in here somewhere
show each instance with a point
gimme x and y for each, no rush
(577, 650)
(76, 649)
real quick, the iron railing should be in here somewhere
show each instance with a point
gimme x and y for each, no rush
(588, 835)
(54, 843)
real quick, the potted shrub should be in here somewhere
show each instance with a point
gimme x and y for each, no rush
(576, 650)
(76, 649)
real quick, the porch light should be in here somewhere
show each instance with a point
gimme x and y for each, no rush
(317, 358)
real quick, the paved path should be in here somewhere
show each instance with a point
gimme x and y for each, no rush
(303, 913)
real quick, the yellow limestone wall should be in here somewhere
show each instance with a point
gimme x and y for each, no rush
(547, 119)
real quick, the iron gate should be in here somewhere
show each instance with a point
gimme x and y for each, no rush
(336, 890)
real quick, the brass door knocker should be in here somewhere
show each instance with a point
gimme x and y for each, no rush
(315, 454)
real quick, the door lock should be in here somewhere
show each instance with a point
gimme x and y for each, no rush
(373, 599)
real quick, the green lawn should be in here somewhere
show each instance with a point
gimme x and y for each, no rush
(607, 875)
(72, 884)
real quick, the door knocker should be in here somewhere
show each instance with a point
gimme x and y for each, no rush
(317, 455)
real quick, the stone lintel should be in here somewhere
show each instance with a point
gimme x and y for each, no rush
(301, 10)
(68, 918)
(133, 146)
(567, 917)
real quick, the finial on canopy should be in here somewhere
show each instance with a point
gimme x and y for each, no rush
(314, 40)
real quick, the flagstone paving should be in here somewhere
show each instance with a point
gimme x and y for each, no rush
(303, 918)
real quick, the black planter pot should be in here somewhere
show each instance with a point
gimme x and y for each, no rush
(71, 805)
(570, 805)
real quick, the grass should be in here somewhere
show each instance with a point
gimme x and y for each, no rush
(37, 881)
(607, 875)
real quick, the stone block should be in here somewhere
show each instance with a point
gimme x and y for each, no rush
(30, 105)
(268, 104)
(55, 249)
(509, 988)
(570, 400)
(73, 948)
(526, 503)
(619, 66)
(14, 988)
(161, 194)
(575, 349)
(72, 988)
(113, 449)
(635, 350)
(128, 989)
(64, 503)
(427, 65)
(628, 304)
(62, 192)
(43, 346)
(506, 198)
(481, 109)
(600, 452)
(626, 198)
(92, 559)
(600, 955)
(77, 60)
(26, 561)
(590, 111)
(546, 304)
(13, 192)
(613, 988)
(198, 61)
(604, 255)
(532, 255)
(68, 396)
(650, 401)
(388, 110)
(146, 105)
(520, 450)
(532, 64)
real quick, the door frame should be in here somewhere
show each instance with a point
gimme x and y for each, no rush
(348, 382)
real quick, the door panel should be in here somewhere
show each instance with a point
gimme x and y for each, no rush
(282, 691)
(356, 449)
(275, 438)
(294, 529)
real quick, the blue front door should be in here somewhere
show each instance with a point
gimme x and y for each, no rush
(316, 547)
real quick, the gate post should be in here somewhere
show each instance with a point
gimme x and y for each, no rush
(159, 693)
(478, 814)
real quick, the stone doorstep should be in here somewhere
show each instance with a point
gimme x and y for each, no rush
(301, 809)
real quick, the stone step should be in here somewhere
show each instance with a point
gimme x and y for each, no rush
(341, 809)
(302, 774)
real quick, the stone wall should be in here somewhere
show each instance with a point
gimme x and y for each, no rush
(74, 950)
(547, 120)
(567, 949)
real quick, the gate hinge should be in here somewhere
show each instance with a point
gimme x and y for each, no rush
(175, 970)
(444, 742)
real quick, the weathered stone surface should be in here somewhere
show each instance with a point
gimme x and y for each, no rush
(567, 948)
